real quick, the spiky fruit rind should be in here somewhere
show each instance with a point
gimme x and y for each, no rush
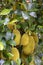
(18, 36)
(24, 39)
(35, 36)
(29, 49)
(15, 53)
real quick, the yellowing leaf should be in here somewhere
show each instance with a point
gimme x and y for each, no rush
(5, 11)
(1, 46)
(13, 21)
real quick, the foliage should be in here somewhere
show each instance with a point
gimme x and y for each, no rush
(22, 15)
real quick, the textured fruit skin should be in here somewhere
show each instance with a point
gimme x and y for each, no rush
(24, 40)
(18, 36)
(35, 38)
(29, 49)
(15, 52)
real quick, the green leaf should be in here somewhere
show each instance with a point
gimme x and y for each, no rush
(29, 58)
(2, 21)
(40, 20)
(4, 43)
(1, 35)
(7, 63)
(24, 25)
(10, 1)
(40, 28)
(32, 27)
(18, 26)
(18, 62)
(5, 12)
(13, 63)
(8, 48)
(9, 55)
(34, 0)
(12, 42)
(33, 10)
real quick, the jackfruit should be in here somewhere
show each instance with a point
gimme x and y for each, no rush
(35, 36)
(18, 36)
(25, 39)
(29, 49)
(15, 53)
(28, 32)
